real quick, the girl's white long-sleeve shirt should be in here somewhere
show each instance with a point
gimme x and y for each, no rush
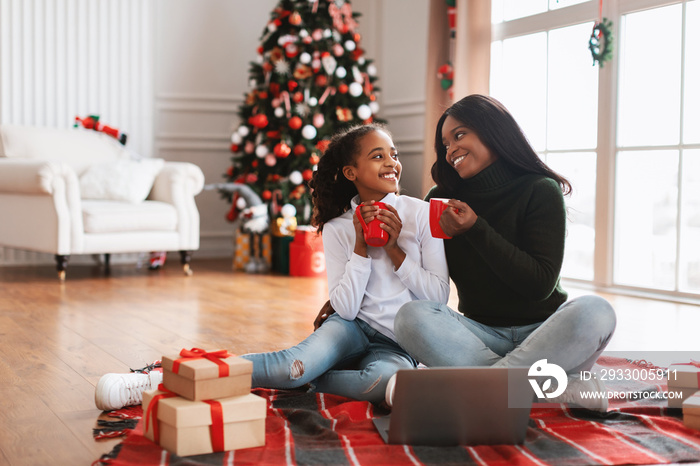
(369, 288)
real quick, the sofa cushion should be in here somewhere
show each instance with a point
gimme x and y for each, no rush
(114, 216)
(122, 180)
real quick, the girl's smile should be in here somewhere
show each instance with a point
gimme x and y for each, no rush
(377, 170)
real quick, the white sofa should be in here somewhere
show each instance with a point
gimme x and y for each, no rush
(78, 191)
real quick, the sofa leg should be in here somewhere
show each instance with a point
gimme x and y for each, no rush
(185, 257)
(61, 265)
(107, 269)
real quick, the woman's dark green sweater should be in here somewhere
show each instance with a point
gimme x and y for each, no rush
(506, 267)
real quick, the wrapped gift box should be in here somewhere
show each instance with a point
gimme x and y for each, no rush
(200, 378)
(691, 411)
(243, 251)
(185, 427)
(683, 378)
(306, 258)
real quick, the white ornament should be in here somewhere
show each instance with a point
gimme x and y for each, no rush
(295, 177)
(271, 27)
(279, 112)
(243, 130)
(305, 58)
(372, 70)
(261, 151)
(236, 138)
(361, 60)
(356, 89)
(241, 203)
(374, 106)
(303, 33)
(270, 160)
(364, 112)
(282, 66)
(329, 64)
(350, 45)
(327, 33)
(341, 72)
(260, 59)
(252, 83)
(313, 101)
(288, 210)
(336, 36)
(309, 132)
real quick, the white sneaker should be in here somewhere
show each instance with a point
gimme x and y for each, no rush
(595, 400)
(390, 388)
(115, 391)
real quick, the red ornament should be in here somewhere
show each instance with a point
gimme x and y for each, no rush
(321, 80)
(254, 164)
(282, 150)
(259, 121)
(343, 88)
(291, 50)
(295, 122)
(298, 97)
(307, 174)
(260, 50)
(291, 85)
(295, 19)
(262, 95)
(322, 145)
(275, 178)
(273, 134)
(299, 149)
(275, 89)
(251, 178)
(266, 195)
(314, 159)
(235, 148)
(229, 172)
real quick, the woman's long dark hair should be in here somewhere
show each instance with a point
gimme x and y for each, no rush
(331, 191)
(499, 132)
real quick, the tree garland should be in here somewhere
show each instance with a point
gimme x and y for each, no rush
(601, 42)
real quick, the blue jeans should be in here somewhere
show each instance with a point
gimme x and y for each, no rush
(573, 337)
(342, 357)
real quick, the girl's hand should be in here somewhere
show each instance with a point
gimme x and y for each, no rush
(391, 223)
(458, 218)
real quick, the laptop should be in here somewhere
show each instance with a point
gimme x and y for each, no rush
(458, 406)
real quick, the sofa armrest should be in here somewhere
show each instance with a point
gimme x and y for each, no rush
(177, 184)
(27, 176)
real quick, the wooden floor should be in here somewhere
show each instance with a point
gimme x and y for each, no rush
(57, 339)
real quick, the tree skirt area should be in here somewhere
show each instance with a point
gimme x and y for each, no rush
(312, 428)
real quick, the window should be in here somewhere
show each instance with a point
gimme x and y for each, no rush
(648, 133)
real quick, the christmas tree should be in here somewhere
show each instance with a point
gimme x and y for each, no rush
(310, 80)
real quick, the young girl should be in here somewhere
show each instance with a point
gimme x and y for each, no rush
(354, 353)
(508, 224)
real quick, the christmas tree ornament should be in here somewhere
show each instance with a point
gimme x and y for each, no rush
(350, 45)
(309, 132)
(301, 109)
(338, 50)
(241, 203)
(305, 58)
(313, 101)
(298, 97)
(270, 160)
(327, 33)
(314, 159)
(341, 72)
(307, 174)
(329, 63)
(374, 106)
(303, 33)
(249, 147)
(371, 70)
(243, 130)
(322, 145)
(299, 149)
(261, 151)
(356, 89)
(295, 19)
(259, 120)
(236, 138)
(343, 88)
(343, 114)
(296, 178)
(282, 150)
(291, 50)
(279, 112)
(319, 120)
(317, 35)
(234, 148)
(364, 112)
(295, 122)
(282, 66)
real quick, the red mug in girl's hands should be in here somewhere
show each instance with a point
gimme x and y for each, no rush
(437, 207)
(374, 234)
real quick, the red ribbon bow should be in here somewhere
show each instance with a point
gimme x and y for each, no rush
(198, 353)
(152, 410)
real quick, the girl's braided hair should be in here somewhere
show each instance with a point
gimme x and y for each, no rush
(331, 191)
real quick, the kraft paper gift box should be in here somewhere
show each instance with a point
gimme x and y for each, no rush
(306, 258)
(243, 250)
(185, 427)
(685, 379)
(691, 411)
(200, 375)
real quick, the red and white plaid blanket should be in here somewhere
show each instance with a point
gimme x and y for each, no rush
(307, 428)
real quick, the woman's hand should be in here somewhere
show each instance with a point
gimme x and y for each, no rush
(458, 218)
(323, 314)
(368, 213)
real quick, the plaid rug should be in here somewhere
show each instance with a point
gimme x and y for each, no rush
(308, 428)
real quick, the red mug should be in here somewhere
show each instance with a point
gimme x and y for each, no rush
(374, 234)
(437, 207)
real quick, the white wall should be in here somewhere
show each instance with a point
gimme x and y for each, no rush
(202, 55)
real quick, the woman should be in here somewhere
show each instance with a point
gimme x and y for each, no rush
(508, 223)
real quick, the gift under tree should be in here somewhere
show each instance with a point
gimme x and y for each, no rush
(310, 79)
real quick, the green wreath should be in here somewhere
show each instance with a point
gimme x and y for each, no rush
(601, 42)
